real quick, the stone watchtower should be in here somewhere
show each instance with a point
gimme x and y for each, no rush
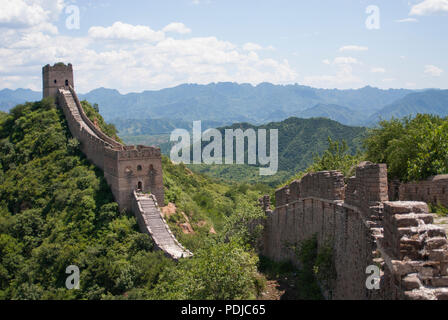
(55, 77)
(126, 168)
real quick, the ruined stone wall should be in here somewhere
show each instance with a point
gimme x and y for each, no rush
(415, 253)
(350, 219)
(433, 190)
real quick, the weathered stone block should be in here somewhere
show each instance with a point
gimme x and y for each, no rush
(439, 281)
(411, 281)
(435, 243)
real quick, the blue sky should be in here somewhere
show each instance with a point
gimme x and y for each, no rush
(139, 45)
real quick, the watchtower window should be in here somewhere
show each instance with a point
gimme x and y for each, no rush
(66, 82)
(55, 81)
(139, 168)
(139, 185)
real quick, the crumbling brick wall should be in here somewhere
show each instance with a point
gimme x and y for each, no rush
(415, 253)
(433, 190)
(351, 218)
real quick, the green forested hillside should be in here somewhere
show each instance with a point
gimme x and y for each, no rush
(56, 210)
(299, 142)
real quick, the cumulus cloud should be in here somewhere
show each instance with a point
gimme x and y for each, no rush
(343, 78)
(124, 31)
(153, 62)
(429, 7)
(433, 70)
(353, 48)
(177, 27)
(35, 14)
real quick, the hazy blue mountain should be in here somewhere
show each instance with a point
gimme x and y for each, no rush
(334, 112)
(227, 102)
(10, 98)
(232, 102)
(135, 127)
(431, 101)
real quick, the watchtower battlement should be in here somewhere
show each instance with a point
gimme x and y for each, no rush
(55, 77)
(126, 168)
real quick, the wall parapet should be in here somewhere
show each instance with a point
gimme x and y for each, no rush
(365, 229)
(126, 168)
(433, 190)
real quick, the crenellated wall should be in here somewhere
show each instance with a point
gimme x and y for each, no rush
(126, 168)
(434, 190)
(359, 222)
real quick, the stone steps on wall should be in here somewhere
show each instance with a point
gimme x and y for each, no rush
(159, 230)
(70, 101)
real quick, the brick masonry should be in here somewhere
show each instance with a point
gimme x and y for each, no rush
(126, 168)
(131, 171)
(434, 190)
(364, 229)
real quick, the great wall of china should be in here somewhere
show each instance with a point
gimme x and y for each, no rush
(132, 172)
(363, 227)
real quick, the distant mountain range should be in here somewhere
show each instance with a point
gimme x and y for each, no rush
(225, 103)
(11, 98)
(430, 101)
(335, 112)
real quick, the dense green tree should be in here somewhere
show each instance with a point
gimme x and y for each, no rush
(413, 148)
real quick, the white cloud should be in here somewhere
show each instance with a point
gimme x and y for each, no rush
(31, 14)
(406, 20)
(353, 48)
(345, 60)
(343, 78)
(429, 7)
(433, 70)
(250, 46)
(124, 31)
(155, 62)
(377, 70)
(177, 27)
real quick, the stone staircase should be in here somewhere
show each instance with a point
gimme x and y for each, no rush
(151, 221)
(75, 111)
